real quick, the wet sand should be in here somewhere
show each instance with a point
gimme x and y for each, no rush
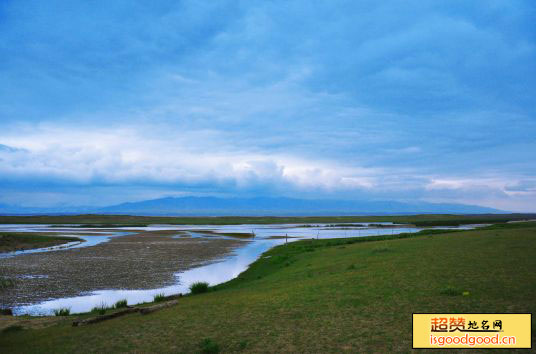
(144, 260)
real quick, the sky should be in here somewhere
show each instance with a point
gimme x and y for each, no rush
(104, 102)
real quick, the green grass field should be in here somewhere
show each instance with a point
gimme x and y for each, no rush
(354, 295)
(130, 220)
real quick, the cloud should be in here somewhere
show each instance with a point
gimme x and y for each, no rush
(129, 155)
(9, 149)
(398, 100)
(128, 158)
(523, 186)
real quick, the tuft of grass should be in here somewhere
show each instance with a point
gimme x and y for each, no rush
(101, 309)
(159, 297)
(450, 291)
(199, 287)
(121, 304)
(64, 311)
(208, 346)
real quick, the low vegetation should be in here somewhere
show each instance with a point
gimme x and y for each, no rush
(451, 291)
(128, 220)
(159, 297)
(12, 328)
(199, 287)
(62, 311)
(100, 309)
(339, 295)
(121, 304)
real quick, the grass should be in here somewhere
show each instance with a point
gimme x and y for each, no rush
(64, 311)
(13, 241)
(121, 304)
(100, 309)
(159, 297)
(451, 291)
(315, 296)
(12, 328)
(199, 287)
(128, 220)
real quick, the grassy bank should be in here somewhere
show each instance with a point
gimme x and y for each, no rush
(325, 296)
(128, 220)
(15, 241)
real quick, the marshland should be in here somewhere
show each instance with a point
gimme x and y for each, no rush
(79, 266)
(386, 271)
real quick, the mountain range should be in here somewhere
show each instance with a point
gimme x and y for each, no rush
(274, 206)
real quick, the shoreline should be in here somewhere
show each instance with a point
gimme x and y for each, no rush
(25, 241)
(144, 260)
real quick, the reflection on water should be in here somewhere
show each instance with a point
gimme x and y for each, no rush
(220, 271)
(214, 273)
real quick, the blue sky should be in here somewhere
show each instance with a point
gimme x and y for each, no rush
(105, 102)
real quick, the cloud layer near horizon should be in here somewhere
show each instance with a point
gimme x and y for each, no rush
(401, 100)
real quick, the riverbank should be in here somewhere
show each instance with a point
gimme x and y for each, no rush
(324, 296)
(142, 260)
(19, 241)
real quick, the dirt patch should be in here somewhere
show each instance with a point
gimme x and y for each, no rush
(145, 260)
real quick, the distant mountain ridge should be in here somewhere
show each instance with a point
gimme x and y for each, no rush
(258, 206)
(280, 206)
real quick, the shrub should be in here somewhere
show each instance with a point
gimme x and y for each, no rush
(199, 287)
(159, 297)
(121, 304)
(208, 346)
(62, 311)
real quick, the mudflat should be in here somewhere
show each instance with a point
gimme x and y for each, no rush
(143, 260)
(17, 241)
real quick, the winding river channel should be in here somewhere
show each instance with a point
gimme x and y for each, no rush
(214, 272)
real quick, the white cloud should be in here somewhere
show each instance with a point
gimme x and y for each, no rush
(127, 155)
